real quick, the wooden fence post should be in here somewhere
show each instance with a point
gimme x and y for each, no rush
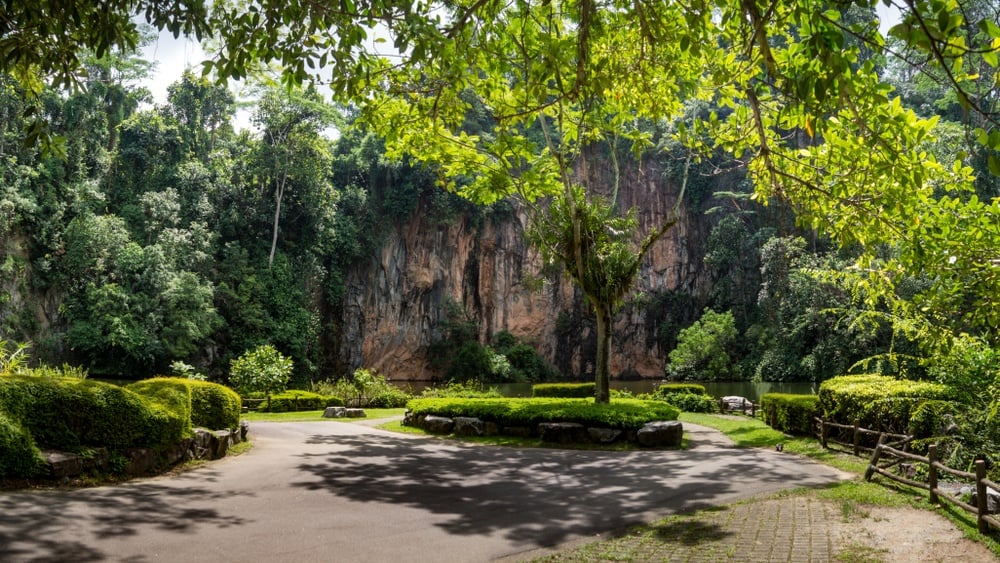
(981, 523)
(857, 438)
(875, 455)
(823, 431)
(932, 457)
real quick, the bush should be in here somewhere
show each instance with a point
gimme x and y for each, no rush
(18, 455)
(365, 389)
(295, 400)
(672, 388)
(691, 402)
(792, 414)
(563, 390)
(876, 401)
(625, 414)
(203, 404)
(461, 390)
(703, 349)
(263, 369)
(69, 414)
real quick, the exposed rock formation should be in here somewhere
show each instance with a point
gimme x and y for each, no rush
(393, 304)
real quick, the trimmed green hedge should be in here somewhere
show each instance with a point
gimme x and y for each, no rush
(684, 388)
(790, 413)
(295, 400)
(878, 402)
(201, 403)
(690, 402)
(68, 414)
(563, 390)
(625, 414)
(19, 457)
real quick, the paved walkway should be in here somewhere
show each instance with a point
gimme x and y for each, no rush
(333, 491)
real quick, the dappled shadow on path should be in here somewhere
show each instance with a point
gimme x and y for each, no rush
(538, 497)
(49, 525)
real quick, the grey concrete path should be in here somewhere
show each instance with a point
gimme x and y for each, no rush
(333, 491)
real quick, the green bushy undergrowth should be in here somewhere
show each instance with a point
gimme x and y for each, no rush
(691, 402)
(626, 414)
(19, 457)
(204, 404)
(366, 389)
(686, 388)
(790, 413)
(71, 414)
(295, 400)
(563, 390)
(461, 390)
(879, 402)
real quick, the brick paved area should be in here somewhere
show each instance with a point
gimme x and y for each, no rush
(794, 529)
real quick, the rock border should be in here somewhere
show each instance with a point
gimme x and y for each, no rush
(656, 434)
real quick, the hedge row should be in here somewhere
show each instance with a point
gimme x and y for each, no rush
(625, 414)
(564, 390)
(74, 414)
(790, 413)
(882, 403)
(681, 388)
(690, 402)
(295, 400)
(203, 404)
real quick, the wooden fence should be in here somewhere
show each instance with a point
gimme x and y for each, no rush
(886, 455)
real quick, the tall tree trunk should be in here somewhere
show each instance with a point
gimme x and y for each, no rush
(279, 192)
(602, 382)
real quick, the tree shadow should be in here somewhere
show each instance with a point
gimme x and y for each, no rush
(40, 525)
(540, 497)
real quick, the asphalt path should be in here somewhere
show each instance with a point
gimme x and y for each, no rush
(334, 491)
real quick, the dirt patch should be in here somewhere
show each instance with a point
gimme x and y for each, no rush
(909, 534)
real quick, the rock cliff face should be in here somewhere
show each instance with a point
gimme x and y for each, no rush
(394, 303)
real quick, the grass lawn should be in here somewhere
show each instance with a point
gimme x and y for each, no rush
(316, 416)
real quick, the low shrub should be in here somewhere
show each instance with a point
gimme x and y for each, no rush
(686, 388)
(564, 390)
(625, 414)
(295, 400)
(461, 390)
(214, 406)
(365, 389)
(789, 413)
(203, 404)
(18, 455)
(68, 414)
(691, 402)
(876, 401)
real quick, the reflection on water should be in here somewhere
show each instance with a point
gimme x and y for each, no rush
(747, 389)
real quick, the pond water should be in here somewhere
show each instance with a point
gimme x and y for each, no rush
(747, 389)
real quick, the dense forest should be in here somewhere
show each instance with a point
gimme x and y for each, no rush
(158, 234)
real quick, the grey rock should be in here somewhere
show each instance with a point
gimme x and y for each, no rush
(491, 428)
(562, 432)
(603, 435)
(220, 445)
(244, 430)
(992, 500)
(335, 412)
(661, 434)
(355, 413)
(140, 461)
(438, 424)
(469, 426)
(63, 464)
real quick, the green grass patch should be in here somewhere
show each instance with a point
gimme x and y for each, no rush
(744, 432)
(623, 414)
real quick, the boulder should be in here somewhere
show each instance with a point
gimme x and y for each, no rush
(491, 428)
(220, 444)
(438, 424)
(603, 435)
(992, 500)
(335, 412)
(140, 460)
(661, 434)
(63, 464)
(355, 413)
(736, 403)
(244, 430)
(562, 432)
(469, 426)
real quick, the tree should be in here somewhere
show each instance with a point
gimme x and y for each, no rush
(704, 349)
(261, 370)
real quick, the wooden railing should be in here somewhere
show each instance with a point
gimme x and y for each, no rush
(857, 433)
(983, 518)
